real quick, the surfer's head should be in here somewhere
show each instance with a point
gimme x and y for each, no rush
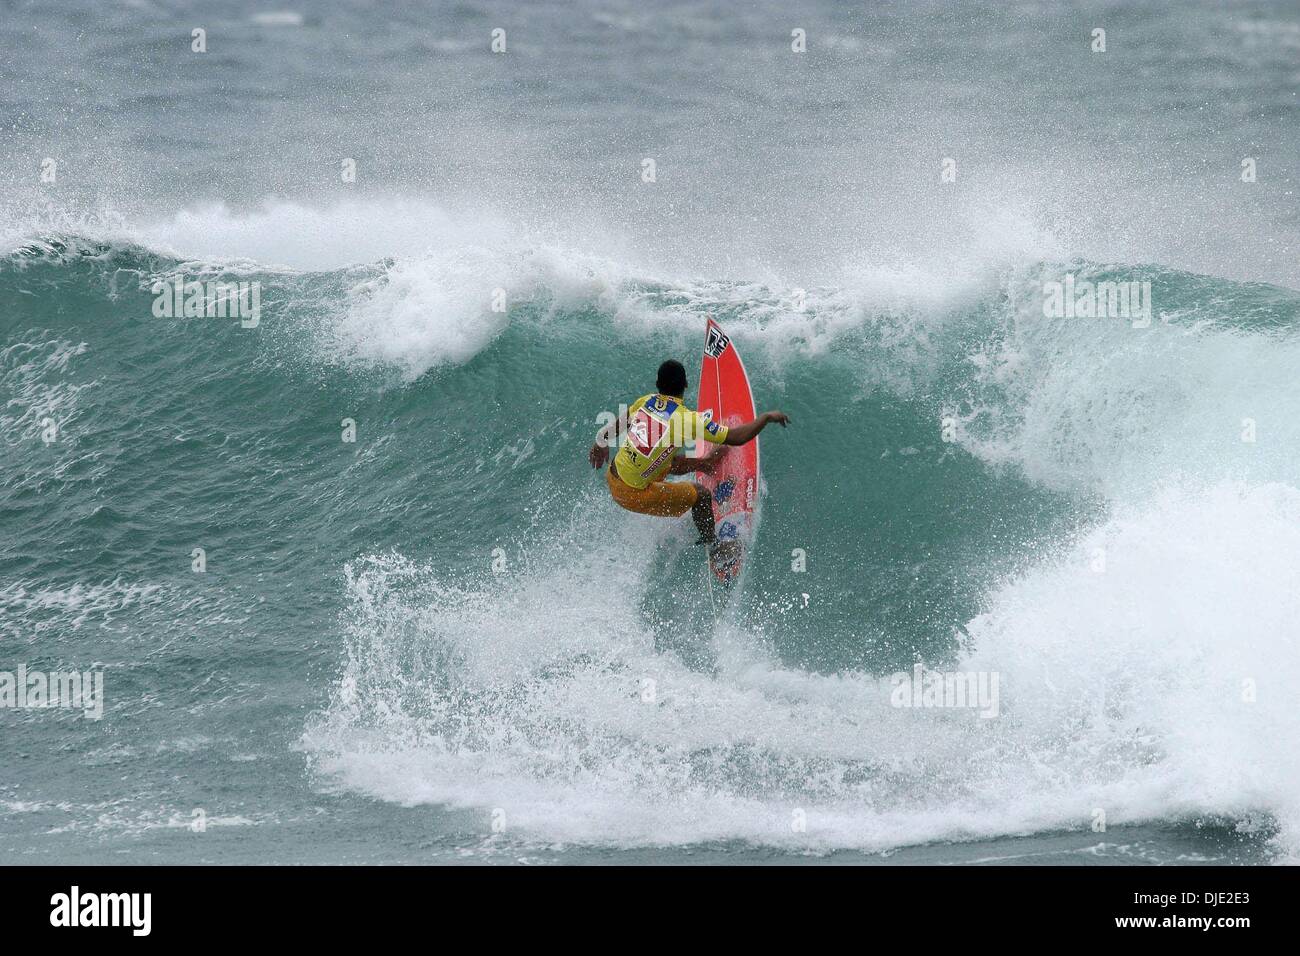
(672, 379)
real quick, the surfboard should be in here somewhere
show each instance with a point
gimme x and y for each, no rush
(726, 398)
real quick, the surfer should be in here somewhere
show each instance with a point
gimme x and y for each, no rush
(658, 426)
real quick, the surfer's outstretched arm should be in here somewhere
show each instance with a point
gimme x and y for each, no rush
(746, 433)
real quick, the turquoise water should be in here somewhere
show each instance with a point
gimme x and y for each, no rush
(441, 642)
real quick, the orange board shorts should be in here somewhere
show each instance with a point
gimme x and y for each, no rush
(665, 499)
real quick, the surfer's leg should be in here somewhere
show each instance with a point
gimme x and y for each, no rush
(665, 499)
(702, 514)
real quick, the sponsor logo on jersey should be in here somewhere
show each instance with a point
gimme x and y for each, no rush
(654, 465)
(644, 431)
(660, 406)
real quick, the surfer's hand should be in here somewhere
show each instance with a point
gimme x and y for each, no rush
(710, 461)
(781, 418)
(598, 455)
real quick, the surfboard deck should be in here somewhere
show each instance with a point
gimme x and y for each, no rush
(726, 397)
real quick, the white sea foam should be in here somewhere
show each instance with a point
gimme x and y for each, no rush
(31, 611)
(316, 238)
(446, 306)
(1122, 692)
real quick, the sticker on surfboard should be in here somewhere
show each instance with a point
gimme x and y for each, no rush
(715, 341)
(726, 399)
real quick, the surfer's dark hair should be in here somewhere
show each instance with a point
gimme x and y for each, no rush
(671, 379)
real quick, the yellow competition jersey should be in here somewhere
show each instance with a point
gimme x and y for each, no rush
(657, 426)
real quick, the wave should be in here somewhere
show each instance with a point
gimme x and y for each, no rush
(1153, 690)
(1088, 403)
(976, 462)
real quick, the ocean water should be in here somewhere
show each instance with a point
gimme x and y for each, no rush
(440, 642)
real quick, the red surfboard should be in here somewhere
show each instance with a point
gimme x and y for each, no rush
(726, 398)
